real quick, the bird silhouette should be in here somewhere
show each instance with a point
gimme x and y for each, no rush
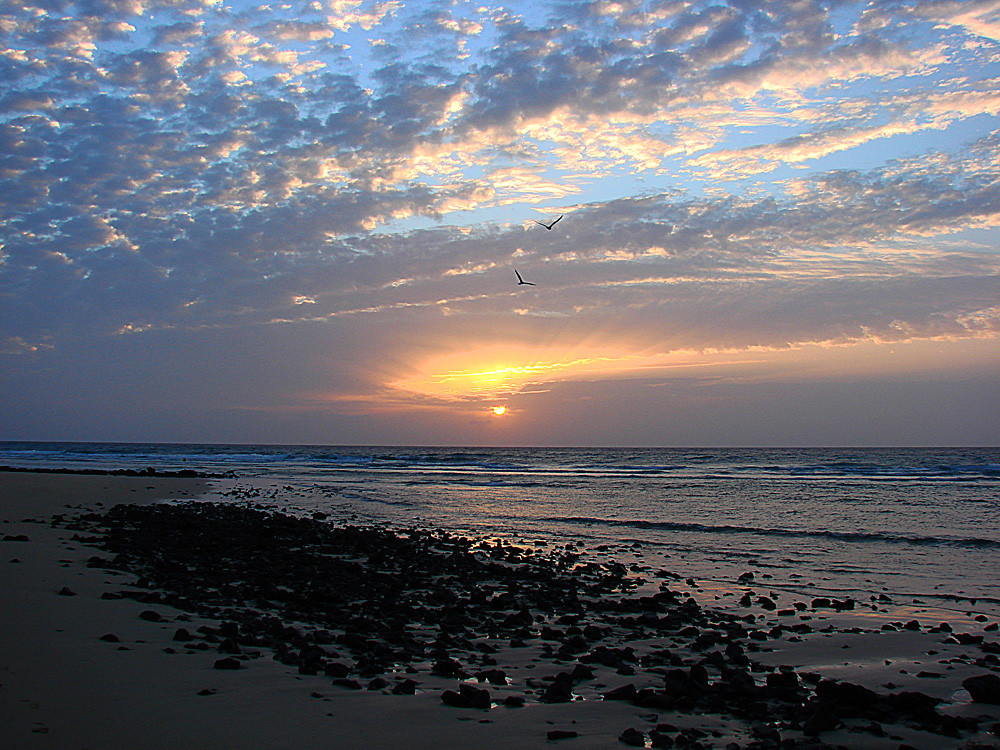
(547, 226)
(521, 281)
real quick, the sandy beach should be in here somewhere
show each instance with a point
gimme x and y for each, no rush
(117, 628)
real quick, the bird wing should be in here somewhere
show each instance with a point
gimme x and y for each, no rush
(555, 222)
(519, 279)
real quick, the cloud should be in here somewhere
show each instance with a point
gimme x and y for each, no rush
(190, 169)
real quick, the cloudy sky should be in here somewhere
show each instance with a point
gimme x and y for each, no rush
(224, 221)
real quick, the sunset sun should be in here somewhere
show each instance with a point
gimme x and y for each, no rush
(499, 410)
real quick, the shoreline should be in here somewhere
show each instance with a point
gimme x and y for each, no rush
(58, 679)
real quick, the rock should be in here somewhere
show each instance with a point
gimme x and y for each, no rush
(846, 694)
(228, 663)
(456, 699)
(783, 680)
(182, 634)
(492, 676)
(229, 646)
(15, 538)
(983, 688)
(378, 684)
(514, 701)
(66, 591)
(821, 720)
(766, 733)
(478, 697)
(336, 669)
(632, 737)
(623, 693)
(207, 691)
(110, 638)
(558, 691)
(406, 687)
(150, 616)
(968, 639)
(447, 668)
(660, 738)
(560, 734)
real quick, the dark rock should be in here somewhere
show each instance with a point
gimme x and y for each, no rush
(912, 702)
(448, 668)
(766, 733)
(846, 694)
(783, 680)
(623, 693)
(230, 646)
(658, 738)
(822, 719)
(983, 688)
(150, 615)
(336, 669)
(207, 691)
(492, 676)
(182, 634)
(632, 737)
(378, 684)
(110, 638)
(514, 701)
(560, 734)
(15, 538)
(558, 691)
(455, 699)
(968, 639)
(767, 603)
(228, 663)
(406, 687)
(66, 591)
(477, 697)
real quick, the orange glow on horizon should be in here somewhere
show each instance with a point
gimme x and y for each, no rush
(495, 373)
(499, 410)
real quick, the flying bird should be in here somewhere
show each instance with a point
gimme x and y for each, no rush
(547, 226)
(521, 281)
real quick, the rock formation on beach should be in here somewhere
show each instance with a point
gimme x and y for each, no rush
(402, 611)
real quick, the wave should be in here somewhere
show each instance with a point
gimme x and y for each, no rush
(845, 536)
(904, 466)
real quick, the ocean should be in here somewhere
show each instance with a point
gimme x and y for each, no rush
(918, 527)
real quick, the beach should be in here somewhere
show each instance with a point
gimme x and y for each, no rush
(443, 640)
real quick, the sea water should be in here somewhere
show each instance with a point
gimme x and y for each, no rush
(915, 525)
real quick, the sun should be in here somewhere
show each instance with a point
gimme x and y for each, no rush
(499, 410)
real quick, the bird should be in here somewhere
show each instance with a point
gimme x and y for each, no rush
(521, 281)
(547, 226)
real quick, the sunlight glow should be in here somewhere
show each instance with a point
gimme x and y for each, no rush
(499, 410)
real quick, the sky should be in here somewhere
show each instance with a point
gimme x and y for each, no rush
(300, 223)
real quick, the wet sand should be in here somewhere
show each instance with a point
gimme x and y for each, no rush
(206, 625)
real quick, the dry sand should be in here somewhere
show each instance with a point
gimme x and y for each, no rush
(63, 687)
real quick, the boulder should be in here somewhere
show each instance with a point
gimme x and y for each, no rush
(984, 688)
(632, 737)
